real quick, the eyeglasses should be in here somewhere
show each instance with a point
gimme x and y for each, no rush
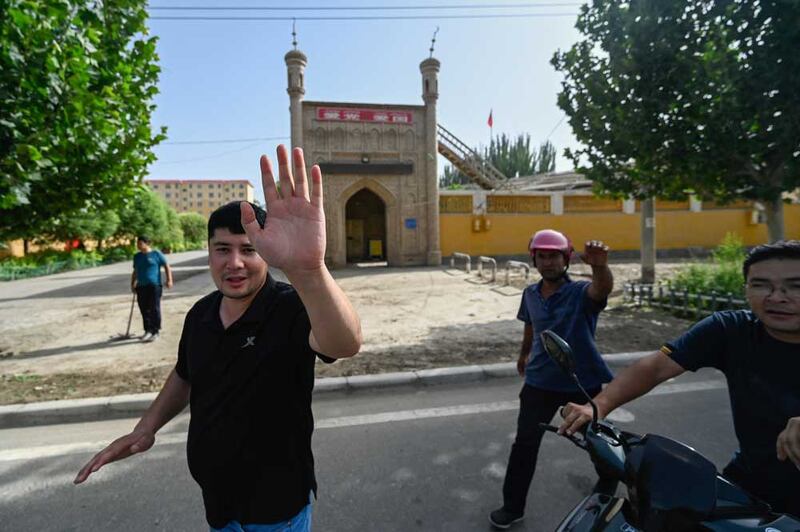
(761, 289)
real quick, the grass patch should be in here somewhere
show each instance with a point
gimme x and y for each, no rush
(31, 388)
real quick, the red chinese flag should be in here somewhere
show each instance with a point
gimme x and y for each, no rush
(490, 121)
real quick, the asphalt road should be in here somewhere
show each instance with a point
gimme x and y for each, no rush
(417, 458)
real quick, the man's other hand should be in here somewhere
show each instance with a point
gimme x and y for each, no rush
(522, 361)
(595, 253)
(788, 444)
(137, 441)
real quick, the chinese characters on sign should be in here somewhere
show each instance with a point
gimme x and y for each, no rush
(363, 115)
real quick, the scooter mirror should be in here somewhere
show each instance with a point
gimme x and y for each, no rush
(559, 350)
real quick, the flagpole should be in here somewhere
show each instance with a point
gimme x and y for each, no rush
(491, 127)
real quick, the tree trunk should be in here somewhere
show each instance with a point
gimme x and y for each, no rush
(648, 241)
(774, 210)
(25, 246)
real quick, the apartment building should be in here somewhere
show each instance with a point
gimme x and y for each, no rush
(200, 195)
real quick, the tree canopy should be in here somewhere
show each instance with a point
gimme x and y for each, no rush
(77, 80)
(672, 97)
(148, 214)
(194, 229)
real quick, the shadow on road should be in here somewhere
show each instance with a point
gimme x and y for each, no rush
(115, 284)
(61, 350)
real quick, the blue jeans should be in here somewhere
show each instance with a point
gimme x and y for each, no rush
(299, 523)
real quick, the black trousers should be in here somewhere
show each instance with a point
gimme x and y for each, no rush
(149, 298)
(535, 406)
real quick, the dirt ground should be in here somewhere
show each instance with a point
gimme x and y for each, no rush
(412, 318)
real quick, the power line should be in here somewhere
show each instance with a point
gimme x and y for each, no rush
(368, 17)
(223, 141)
(366, 8)
(554, 128)
(216, 155)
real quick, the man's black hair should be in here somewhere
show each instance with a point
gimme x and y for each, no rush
(782, 249)
(143, 238)
(229, 217)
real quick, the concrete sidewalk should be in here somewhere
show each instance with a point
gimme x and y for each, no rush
(133, 405)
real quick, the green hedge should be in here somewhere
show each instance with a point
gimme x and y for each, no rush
(722, 274)
(49, 262)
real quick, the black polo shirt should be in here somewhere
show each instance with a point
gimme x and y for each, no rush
(764, 389)
(249, 444)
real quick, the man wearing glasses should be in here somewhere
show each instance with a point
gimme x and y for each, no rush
(758, 350)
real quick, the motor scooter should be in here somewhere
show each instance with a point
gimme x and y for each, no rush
(670, 486)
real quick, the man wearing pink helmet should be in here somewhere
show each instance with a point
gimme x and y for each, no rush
(570, 309)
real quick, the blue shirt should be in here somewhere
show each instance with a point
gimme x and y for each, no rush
(572, 315)
(148, 267)
(764, 388)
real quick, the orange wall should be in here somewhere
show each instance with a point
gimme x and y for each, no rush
(509, 233)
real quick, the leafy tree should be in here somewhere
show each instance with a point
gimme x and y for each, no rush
(512, 158)
(674, 97)
(172, 238)
(452, 178)
(546, 158)
(87, 224)
(194, 229)
(145, 214)
(77, 78)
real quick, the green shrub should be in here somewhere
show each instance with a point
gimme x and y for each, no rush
(118, 254)
(722, 274)
(51, 261)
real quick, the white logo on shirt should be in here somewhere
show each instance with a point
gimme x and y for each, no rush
(250, 341)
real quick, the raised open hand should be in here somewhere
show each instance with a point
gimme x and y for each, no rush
(595, 253)
(293, 237)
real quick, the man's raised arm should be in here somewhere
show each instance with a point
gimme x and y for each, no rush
(293, 239)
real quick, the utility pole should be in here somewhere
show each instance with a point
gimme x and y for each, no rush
(648, 241)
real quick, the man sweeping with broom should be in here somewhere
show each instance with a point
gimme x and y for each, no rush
(146, 283)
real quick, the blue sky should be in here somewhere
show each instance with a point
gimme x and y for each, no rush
(227, 79)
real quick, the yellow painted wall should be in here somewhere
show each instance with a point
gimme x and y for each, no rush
(509, 233)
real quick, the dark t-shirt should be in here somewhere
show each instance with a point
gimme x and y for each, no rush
(571, 314)
(764, 385)
(249, 444)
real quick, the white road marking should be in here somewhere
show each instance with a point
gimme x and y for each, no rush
(621, 415)
(46, 451)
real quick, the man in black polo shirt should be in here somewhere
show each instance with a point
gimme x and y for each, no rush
(758, 350)
(246, 359)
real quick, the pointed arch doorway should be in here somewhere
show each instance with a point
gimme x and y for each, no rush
(365, 227)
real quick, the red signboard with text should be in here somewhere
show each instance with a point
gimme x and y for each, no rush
(347, 114)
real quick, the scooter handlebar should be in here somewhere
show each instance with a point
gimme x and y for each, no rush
(580, 442)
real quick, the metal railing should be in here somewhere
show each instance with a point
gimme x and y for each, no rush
(468, 161)
(694, 304)
(515, 264)
(467, 260)
(492, 263)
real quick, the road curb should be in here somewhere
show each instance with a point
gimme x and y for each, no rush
(132, 405)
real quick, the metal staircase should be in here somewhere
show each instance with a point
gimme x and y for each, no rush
(468, 161)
